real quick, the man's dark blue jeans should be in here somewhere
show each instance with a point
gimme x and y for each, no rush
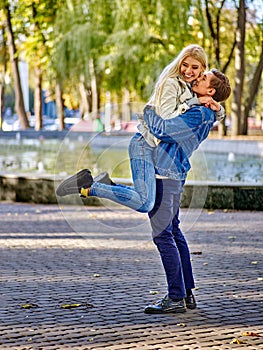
(169, 239)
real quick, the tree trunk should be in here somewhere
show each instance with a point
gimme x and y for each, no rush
(60, 106)
(213, 19)
(2, 97)
(85, 105)
(254, 86)
(38, 100)
(237, 106)
(126, 110)
(19, 101)
(94, 92)
(2, 82)
(214, 31)
(222, 128)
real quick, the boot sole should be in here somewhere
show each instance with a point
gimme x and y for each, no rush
(73, 184)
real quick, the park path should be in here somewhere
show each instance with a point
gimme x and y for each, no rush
(79, 278)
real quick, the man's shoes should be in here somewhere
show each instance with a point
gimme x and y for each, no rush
(104, 178)
(73, 184)
(190, 302)
(165, 306)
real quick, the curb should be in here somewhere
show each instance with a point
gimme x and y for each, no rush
(209, 195)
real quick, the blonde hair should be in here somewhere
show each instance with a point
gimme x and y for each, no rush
(173, 69)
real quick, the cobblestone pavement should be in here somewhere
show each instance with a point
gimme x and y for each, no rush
(79, 278)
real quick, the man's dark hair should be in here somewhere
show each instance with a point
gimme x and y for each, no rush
(220, 83)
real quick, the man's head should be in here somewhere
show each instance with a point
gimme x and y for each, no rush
(214, 84)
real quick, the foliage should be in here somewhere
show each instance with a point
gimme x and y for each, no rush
(146, 37)
(81, 29)
(129, 41)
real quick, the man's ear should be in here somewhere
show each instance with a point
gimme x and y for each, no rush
(211, 91)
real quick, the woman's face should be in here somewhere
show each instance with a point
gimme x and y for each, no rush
(190, 69)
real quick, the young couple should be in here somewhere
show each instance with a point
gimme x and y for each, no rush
(177, 118)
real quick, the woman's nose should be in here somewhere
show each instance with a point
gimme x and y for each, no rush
(189, 70)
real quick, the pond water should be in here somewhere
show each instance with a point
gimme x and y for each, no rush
(44, 156)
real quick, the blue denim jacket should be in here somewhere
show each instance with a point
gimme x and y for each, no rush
(180, 137)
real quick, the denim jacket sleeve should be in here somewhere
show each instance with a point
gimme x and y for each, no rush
(179, 128)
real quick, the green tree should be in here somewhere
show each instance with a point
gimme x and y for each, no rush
(146, 37)
(82, 28)
(19, 101)
(216, 27)
(36, 21)
(236, 45)
(120, 46)
(246, 88)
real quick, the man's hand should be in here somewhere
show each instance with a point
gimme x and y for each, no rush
(209, 102)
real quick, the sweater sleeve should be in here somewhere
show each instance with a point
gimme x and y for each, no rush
(220, 115)
(169, 98)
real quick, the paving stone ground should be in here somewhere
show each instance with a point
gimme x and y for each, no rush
(102, 261)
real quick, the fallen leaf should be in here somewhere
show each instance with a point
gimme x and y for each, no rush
(96, 275)
(196, 253)
(260, 278)
(70, 306)
(254, 262)
(154, 292)
(181, 324)
(236, 341)
(29, 306)
(251, 334)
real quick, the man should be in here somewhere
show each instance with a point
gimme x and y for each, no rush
(179, 136)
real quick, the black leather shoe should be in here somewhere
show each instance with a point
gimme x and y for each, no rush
(190, 302)
(73, 184)
(166, 305)
(104, 178)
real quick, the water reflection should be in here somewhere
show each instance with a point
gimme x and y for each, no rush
(240, 168)
(45, 156)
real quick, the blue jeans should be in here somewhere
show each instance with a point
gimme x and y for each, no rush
(141, 197)
(169, 239)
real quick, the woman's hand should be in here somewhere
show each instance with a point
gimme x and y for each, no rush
(209, 102)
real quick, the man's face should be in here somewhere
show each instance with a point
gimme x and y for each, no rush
(202, 85)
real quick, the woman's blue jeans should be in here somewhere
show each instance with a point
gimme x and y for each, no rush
(141, 197)
(169, 239)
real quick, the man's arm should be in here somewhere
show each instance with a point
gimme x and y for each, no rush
(179, 128)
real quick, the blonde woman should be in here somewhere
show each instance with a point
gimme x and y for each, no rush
(172, 93)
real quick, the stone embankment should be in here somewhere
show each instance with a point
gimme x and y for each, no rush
(209, 195)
